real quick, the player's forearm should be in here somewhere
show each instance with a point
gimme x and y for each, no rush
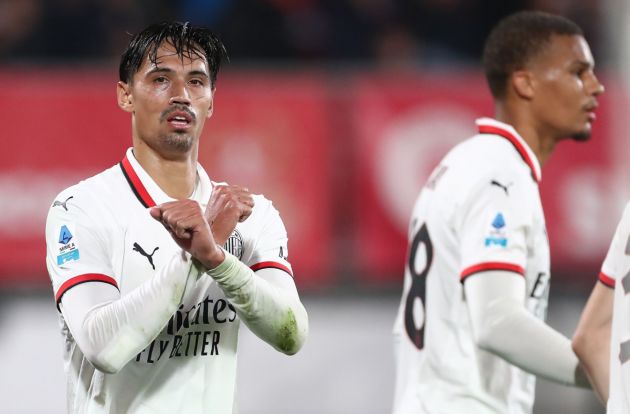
(111, 334)
(512, 333)
(501, 325)
(591, 341)
(273, 313)
(593, 350)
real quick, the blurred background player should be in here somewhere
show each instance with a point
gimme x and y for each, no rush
(149, 303)
(602, 339)
(469, 334)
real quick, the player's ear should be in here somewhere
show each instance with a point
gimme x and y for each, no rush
(523, 83)
(125, 98)
(211, 108)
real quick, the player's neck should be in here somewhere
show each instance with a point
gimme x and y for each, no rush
(541, 143)
(176, 176)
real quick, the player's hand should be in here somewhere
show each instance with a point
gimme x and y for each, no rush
(228, 205)
(186, 223)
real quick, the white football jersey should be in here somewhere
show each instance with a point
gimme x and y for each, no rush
(480, 210)
(100, 231)
(616, 274)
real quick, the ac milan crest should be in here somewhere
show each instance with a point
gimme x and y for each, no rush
(234, 244)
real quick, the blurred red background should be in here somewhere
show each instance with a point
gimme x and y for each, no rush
(342, 157)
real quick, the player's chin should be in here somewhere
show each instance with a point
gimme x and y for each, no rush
(583, 134)
(179, 141)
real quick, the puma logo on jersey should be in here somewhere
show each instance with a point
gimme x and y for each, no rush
(501, 186)
(62, 203)
(139, 249)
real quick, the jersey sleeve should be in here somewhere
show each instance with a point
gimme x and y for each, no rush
(494, 224)
(617, 259)
(270, 249)
(76, 249)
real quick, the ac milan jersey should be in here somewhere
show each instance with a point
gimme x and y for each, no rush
(479, 211)
(616, 274)
(100, 231)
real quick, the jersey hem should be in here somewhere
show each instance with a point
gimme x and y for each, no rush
(606, 280)
(273, 265)
(489, 266)
(77, 280)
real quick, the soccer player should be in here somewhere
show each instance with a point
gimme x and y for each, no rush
(469, 333)
(149, 302)
(602, 338)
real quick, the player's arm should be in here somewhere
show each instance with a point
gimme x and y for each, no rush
(109, 329)
(502, 325)
(592, 338)
(494, 252)
(267, 300)
(591, 341)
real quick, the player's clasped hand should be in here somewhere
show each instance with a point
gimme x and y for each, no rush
(188, 226)
(228, 205)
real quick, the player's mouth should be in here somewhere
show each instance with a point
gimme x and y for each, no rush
(590, 111)
(179, 117)
(180, 120)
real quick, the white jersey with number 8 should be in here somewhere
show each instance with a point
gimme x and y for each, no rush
(479, 211)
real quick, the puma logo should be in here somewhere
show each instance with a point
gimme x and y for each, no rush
(139, 249)
(62, 203)
(501, 186)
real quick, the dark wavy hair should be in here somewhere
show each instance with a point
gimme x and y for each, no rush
(515, 40)
(189, 42)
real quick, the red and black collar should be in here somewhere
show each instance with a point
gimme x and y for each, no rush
(136, 185)
(489, 126)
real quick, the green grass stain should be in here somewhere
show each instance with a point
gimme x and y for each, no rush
(288, 333)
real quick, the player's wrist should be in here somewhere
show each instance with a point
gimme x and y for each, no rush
(213, 259)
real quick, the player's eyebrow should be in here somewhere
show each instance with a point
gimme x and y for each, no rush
(583, 64)
(198, 73)
(158, 69)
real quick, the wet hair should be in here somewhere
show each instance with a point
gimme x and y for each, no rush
(189, 42)
(516, 40)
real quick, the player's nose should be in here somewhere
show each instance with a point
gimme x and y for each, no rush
(597, 88)
(179, 94)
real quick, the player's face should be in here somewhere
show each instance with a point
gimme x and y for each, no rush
(170, 100)
(566, 88)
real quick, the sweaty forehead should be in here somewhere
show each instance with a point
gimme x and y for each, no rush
(167, 56)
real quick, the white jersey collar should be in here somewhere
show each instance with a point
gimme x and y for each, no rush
(149, 193)
(492, 126)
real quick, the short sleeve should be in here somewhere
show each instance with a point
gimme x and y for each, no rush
(75, 248)
(494, 225)
(617, 261)
(271, 245)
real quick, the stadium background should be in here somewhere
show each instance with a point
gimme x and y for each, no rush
(337, 111)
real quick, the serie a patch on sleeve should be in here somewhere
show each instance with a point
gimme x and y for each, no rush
(497, 235)
(68, 248)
